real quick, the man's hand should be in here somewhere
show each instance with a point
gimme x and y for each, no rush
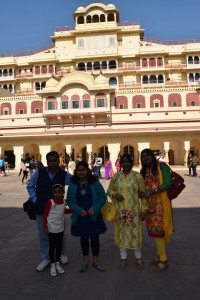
(84, 213)
(91, 212)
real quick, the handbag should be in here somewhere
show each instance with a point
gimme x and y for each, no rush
(109, 212)
(177, 185)
(29, 208)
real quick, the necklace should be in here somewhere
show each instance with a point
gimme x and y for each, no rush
(83, 189)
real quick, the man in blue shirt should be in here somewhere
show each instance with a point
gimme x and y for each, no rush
(40, 191)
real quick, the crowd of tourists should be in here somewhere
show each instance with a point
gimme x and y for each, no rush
(137, 197)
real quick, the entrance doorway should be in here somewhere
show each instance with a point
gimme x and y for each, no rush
(10, 158)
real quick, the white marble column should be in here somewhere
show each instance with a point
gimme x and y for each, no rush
(166, 148)
(89, 152)
(44, 149)
(114, 150)
(187, 149)
(142, 146)
(18, 152)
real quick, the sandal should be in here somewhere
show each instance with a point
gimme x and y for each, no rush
(162, 265)
(123, 264)
(140, 263)
(155, 261)
(83, 268)
(99, 267)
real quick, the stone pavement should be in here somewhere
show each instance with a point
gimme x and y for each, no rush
(19, 256)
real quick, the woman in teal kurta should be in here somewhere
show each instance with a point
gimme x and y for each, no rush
(124, 189)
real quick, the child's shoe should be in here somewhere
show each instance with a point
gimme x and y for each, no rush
(53, 269)
(59, 268)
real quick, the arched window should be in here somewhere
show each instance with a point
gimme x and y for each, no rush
(191, 77)
(174, 104)
(159, 62)
(44, 70)
(196, 60)
(197, 77)
(144, 62)
(112, 64)
(1, 73)
(5, 87)
(51, 69)
(193, 103)
(145, 79)
(81, 66)
(110, 17)
(37, 86)
(104, 65)
(152, 62)
(96, 65)
(5, 72)
(95, 19)
(190, 60)
(89, 19)
(43, 84)
(80, 20)
(160, 79)
(102, 18)
(89, 66)
(153, 79)
(10, 72)
(10, 88)
(37, 70)
(113, 81)
(50, 105)
(174, 99)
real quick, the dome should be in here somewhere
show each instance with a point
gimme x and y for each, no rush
(51, 83)
(80, 8)
(111, 6)
(101, 80)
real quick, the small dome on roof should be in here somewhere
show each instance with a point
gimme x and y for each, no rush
(52, 82)
(80, 8)
(111, 5)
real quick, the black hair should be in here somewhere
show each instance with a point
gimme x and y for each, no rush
(90, 177)
(55, 186)
(128, 157)
(52, 153)
(154, 164)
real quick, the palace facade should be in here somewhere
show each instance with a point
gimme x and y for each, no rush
(101, 87)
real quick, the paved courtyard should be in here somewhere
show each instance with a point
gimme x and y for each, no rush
(19, 256)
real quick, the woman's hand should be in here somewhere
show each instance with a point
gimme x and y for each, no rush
(84, 213)
(118, 197)
(91, 212)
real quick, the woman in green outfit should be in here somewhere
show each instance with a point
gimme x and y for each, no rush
(124, 189)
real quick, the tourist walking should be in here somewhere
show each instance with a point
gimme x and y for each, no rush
(40, 191)
(54, 224)
(2, 167)
(86, 197)
(159, 220)
(118, 163)
(190, 159)
(25, 170)
(195, 161)
(123, 190)
(97, 166)
(108, 169)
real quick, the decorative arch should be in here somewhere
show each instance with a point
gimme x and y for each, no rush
(144, 63)
(111, 17)
(20, 106)
(80, 20)
(36, 105)
(174, 98)
(50, 103)
(113, 81)
(6, 106)
(152, 62)
(81, 66)
(121, 102)
(160, 62)
(155, 97)
(192, 98)
(44, 69)
(112, 64)
(89, 19)
(102, 18)
(138, 99)
(95, 19)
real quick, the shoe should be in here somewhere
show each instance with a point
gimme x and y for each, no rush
(99, 267)
(162, 265)
(64, 259)
(123, 264)
(53, 270)
(43, 265)
(140, 263)
(83, 268)
(59, 268)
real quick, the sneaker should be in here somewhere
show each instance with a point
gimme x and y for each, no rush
(59, 268)
(53, 270)
(64, 259)
(43, 265)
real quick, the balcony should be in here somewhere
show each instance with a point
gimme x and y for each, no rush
(23, 75)
(6, 78)
(175, 66)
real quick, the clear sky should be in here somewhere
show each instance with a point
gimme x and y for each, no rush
(28, 24)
